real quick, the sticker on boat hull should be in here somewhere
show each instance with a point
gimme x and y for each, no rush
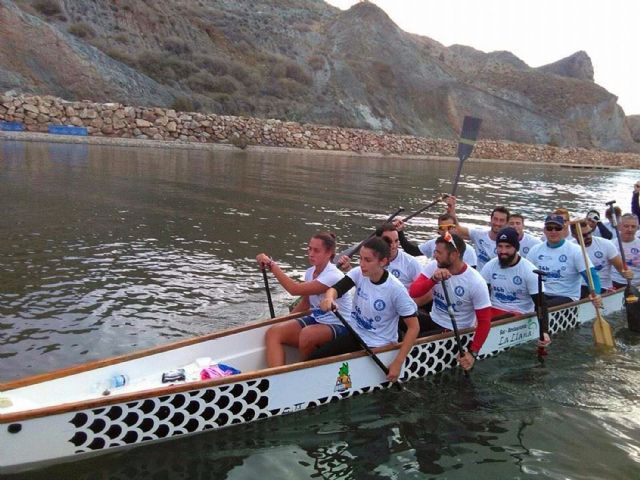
(343, 382)
(518, 333)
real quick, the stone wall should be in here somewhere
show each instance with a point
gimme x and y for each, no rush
(116, 120)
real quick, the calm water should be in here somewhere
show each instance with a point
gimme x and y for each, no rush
(106, 250)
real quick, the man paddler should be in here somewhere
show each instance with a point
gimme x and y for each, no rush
(631, 245)
(446, 223)
(466, 289)
(401, 265)
(526, 240)
(603, 254)
(512, 283)
(484, 239)
(563, 263)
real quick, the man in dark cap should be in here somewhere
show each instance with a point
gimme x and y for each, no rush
(512, 284)
(563, 264)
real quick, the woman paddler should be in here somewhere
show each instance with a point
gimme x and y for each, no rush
(379, 303)
(309, 332)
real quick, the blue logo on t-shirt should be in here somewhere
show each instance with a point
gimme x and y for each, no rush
(379, 305)
(525, 250)
(598, 254)
(634, 250)
(563, 258)
(459, 291)
(517, 280)
(395, 272)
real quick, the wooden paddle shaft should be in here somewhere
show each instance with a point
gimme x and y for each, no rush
(586, 259)
(601, 329)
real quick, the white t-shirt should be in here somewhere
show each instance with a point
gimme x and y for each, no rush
(467, 292)
(601, 252)
(329, 277)
(485, 247)
(377, 308)
(526, 243)
(562, 266)
(512, 287)
(405, 268)
(469, 257)
(632, 257)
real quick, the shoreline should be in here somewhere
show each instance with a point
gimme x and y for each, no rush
(36, 137)
(52, 119)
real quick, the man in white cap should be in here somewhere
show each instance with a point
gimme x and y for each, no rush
(513, 285)
(598, 229)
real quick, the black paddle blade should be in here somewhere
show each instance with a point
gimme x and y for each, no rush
(633, 308)
(470, 129)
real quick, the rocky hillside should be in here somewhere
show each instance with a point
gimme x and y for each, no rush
(300, 60)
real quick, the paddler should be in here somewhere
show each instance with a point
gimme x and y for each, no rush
(484, 239)
(563, 263)
(467, 291)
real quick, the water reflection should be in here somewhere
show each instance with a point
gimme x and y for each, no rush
(105, 250)
(149, 245)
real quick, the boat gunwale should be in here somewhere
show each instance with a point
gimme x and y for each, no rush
(200, 384)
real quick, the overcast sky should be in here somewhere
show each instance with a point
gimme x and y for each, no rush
(538, 32)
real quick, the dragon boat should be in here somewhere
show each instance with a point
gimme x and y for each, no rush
(62, 416)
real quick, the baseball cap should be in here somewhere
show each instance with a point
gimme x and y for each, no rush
(557, 219)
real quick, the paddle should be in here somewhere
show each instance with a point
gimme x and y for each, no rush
(543, 316)
(630, 296)
(362, 343)
(266, 287)
(602, 334)
(453, 322)
(468, 136)
(426, 207)
(353, 249)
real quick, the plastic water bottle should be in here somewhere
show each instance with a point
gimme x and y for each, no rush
(105, 386)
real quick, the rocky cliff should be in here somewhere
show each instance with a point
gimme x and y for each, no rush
(299, 60)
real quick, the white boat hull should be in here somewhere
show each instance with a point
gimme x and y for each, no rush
(36, 432)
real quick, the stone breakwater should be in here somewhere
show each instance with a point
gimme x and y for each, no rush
(36, 113)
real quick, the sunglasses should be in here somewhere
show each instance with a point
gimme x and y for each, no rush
(550, 228)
